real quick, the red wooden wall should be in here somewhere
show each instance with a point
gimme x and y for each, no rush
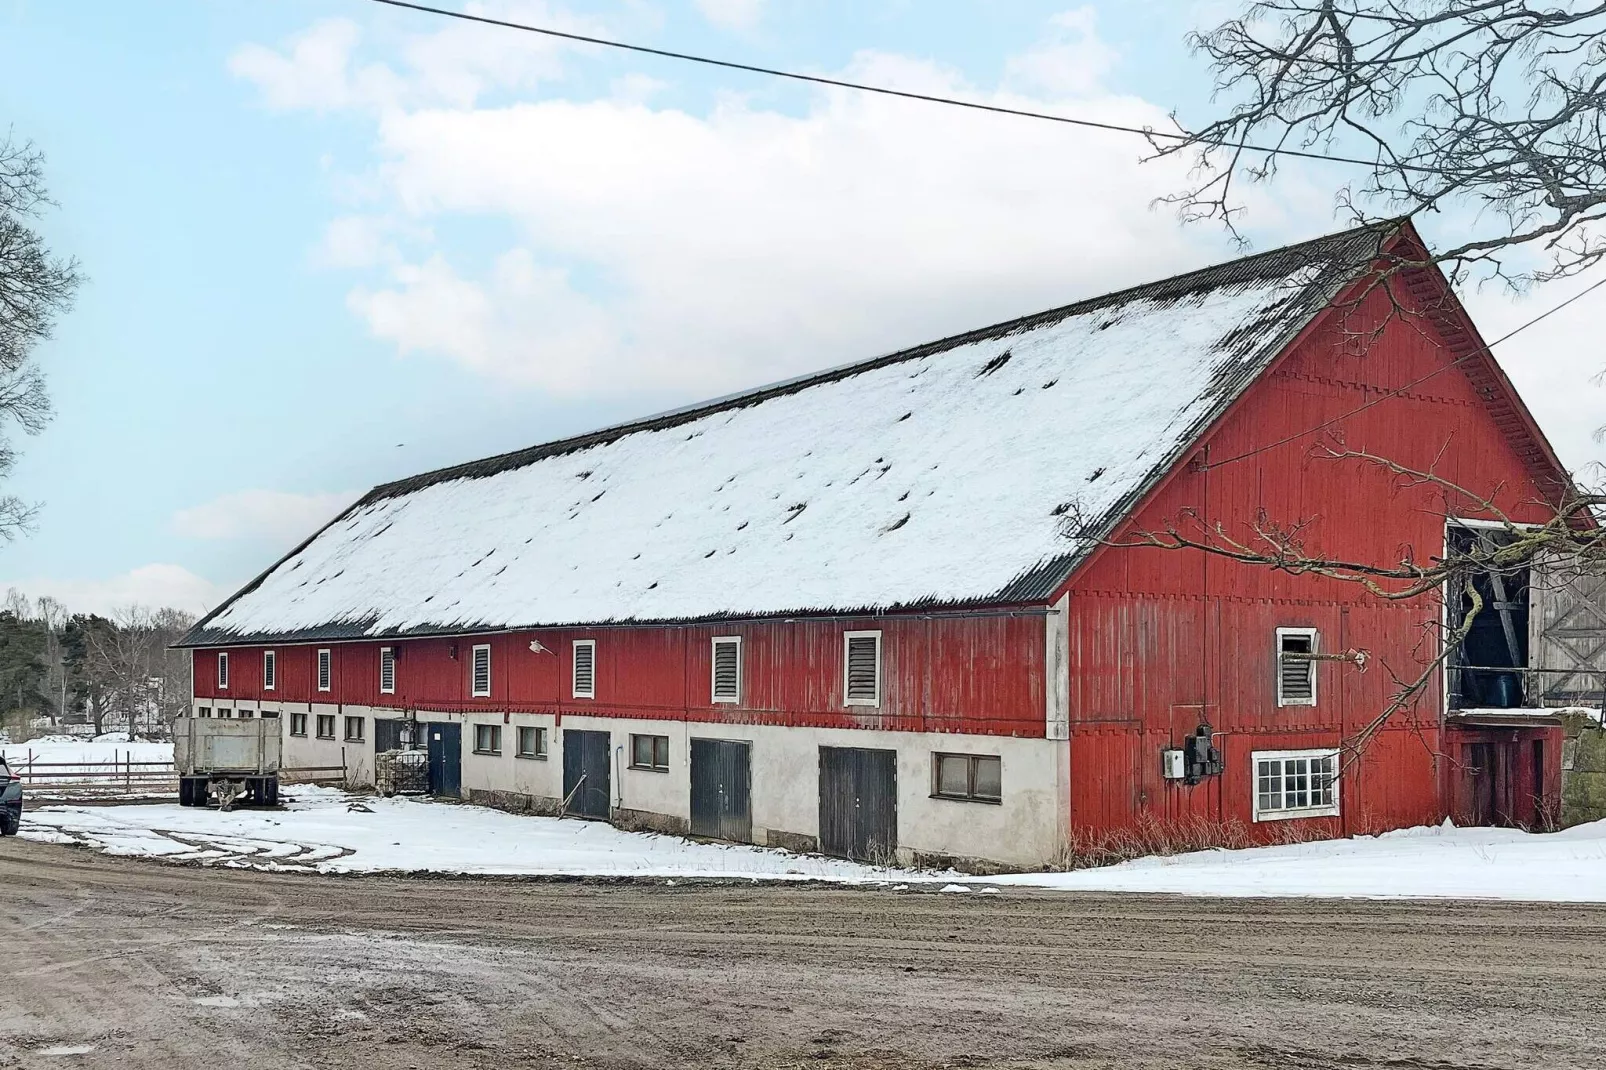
(1164, 639)
(976, 673)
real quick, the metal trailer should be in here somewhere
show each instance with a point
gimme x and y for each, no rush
(229, 758)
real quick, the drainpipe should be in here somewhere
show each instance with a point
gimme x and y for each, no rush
(618, 782)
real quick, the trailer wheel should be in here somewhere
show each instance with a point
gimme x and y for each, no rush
(270, 793)
(186, 791)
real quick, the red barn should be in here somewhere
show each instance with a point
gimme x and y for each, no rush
(852, 611)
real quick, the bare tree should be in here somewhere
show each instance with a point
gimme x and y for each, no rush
(1492, 108)
(35, 288)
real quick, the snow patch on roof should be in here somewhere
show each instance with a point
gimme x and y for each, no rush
(942, 477)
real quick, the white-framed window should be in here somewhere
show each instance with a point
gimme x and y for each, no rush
(223, 670)
(387, 671)
(532, 742)
(481, 682)
(270, 670)
(487, 739)
(1295, 783)
(354, 729)
(585, 668)
(861, 668)
(726, 685)
(326, 726)
(1296, 672)
(325, 671)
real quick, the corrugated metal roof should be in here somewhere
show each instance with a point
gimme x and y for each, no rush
(1119, 385)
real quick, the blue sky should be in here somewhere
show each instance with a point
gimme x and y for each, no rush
(331, 243)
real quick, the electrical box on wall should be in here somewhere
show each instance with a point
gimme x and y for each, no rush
(1173, 764)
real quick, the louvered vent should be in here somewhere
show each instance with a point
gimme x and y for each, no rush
(585, 668)
(1296, 679)
(387, 671)
(324, 674)
(482, 671)
(727, 670)
(223, 670)
(864, 669)
(270, 670)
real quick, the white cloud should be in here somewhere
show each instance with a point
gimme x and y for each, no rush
(273, 515)
(1072, 61)
(649, 247)
(155, 585)
(732, 14)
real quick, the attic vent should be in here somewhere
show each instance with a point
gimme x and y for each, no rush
(585, 667)
(862, 686)
(324, 673)
(727, 682)
(482, 671)
(1296, 671)
(387, 671)
(994, 364)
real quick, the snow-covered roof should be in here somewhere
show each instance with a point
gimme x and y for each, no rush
(940, 475)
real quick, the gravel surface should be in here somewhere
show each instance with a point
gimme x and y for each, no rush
(118, 963)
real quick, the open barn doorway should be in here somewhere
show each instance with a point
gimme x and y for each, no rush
(1488, 668)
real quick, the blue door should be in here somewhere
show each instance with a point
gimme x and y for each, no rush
(445, 758)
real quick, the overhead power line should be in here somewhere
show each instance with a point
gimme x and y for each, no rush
(929, 98)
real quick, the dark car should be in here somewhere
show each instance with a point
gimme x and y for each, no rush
(10, 800)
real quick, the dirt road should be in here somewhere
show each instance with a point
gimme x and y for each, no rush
(112, 963)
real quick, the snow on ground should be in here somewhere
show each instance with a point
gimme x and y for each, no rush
(328, 831)
(1427, 863)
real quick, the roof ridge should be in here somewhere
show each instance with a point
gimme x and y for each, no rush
(486, 466)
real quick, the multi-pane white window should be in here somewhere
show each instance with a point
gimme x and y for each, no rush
(223, 671)
(1295, 783)
(1296, 671)
(727, 672)
(481, 672)
(585, 668)
(270, 670)
(862, 668)
(325, 673)
(387, 671)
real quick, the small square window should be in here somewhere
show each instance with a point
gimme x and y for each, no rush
(270, 670)
(650, 752)
(246, 715)
(204, 711)
(325, 671)
(532, 742)
(298, 724)
(326, 726)
(481, 682)
(972, 777)
(354, 729)
(487, 739)
(223, 671)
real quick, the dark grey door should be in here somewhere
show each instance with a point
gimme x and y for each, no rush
(445, 758)
(388, 733)
(859, 803)
(585, 773)
(721, 789)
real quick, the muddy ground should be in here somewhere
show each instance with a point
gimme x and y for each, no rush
(116, 963)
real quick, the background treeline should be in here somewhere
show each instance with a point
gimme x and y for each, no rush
(114, 673)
